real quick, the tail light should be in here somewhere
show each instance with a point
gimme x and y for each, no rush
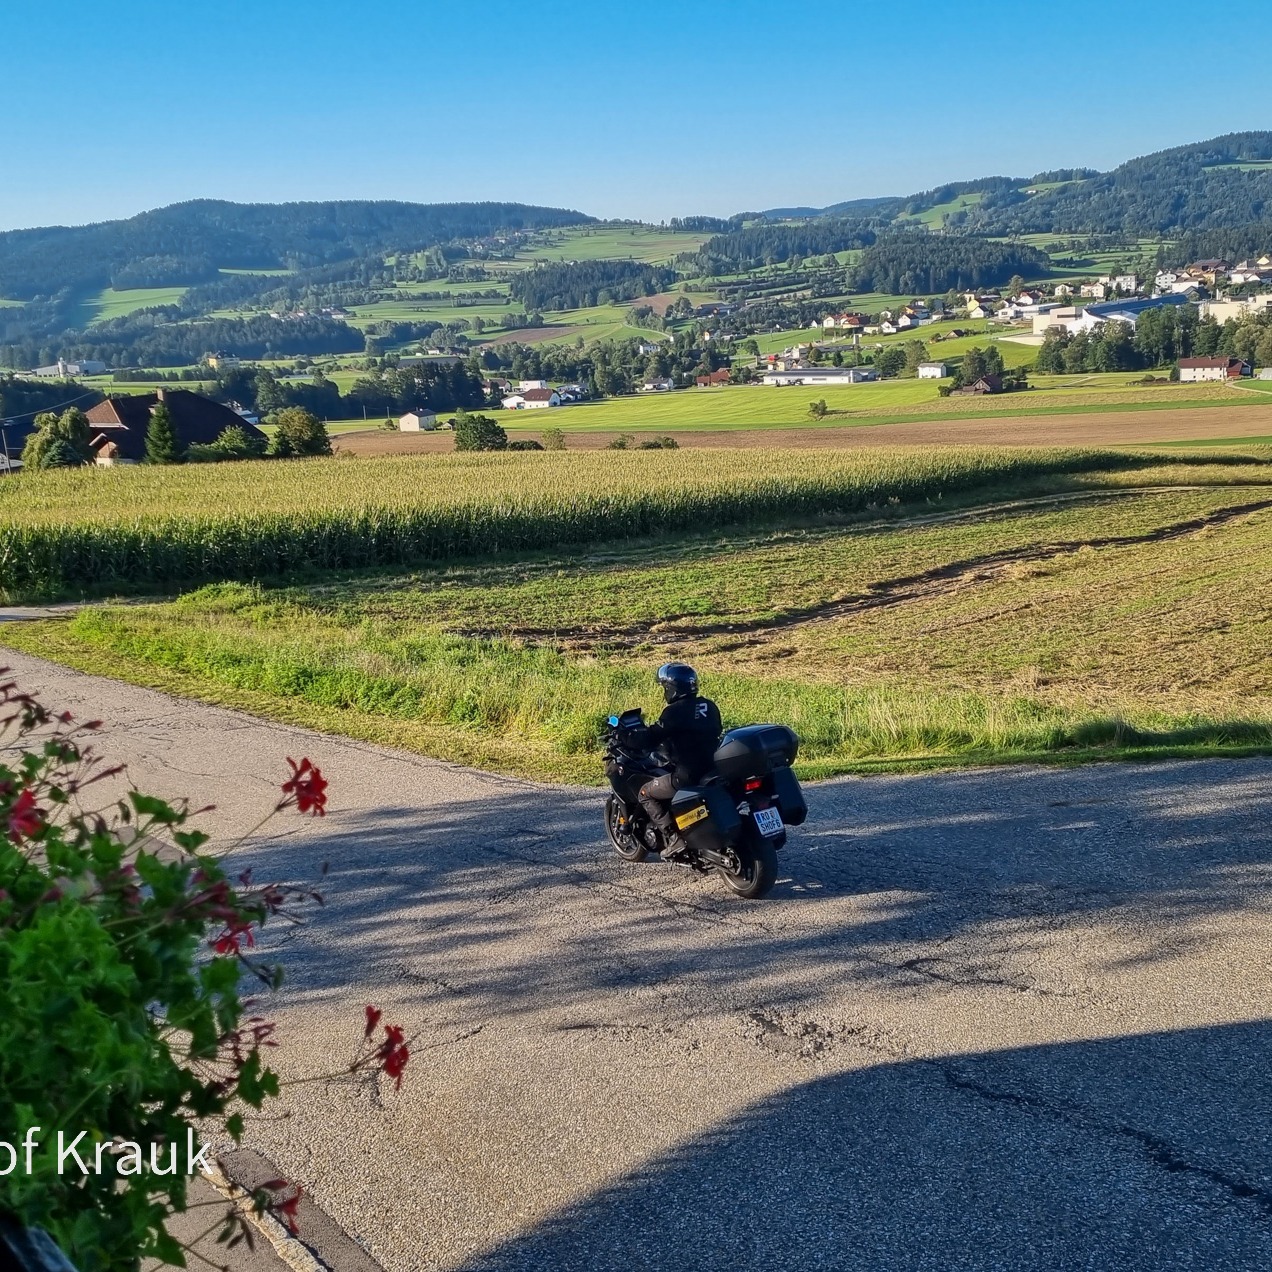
(753, 784)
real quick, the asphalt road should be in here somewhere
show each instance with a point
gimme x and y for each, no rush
(1005, 1019)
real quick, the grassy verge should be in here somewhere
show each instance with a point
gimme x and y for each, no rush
(1129, 624)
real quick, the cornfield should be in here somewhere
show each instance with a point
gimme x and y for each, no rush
(100, 531)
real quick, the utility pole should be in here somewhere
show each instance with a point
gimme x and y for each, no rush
(4, 433)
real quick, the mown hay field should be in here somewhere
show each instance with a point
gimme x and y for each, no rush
(131, 530)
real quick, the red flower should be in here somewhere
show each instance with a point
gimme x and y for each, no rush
(25, 818)
(309, 787)
(373, 1019)
(393, 1054)
(228, 941)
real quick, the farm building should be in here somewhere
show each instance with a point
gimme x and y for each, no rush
(712, 378)
(531, 400)
(986, 384)
(63, 370)
(119, 424)
(417, 421)
(933, 371)
(1221, 368)
(821, 375)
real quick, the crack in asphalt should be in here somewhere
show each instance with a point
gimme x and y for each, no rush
(1156, 1150)
(927, 964)
(799, 1037)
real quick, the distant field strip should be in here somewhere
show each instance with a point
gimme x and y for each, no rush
(135, 529)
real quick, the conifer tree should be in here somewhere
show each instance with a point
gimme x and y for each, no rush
(161, 438)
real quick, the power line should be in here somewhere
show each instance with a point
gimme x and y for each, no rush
(13, 419)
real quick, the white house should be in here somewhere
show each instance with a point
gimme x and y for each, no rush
(417, 422)
(1093, 291)
(932, 371)
(523, 385)
(981, 309)
(532, 400)
(1221, 368)
(661, 385)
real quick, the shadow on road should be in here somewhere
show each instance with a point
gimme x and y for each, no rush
(507, 901)
(1022, 1159)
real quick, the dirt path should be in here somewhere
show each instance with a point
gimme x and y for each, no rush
(1103, 428)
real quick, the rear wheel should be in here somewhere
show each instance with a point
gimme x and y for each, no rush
(618, 823)
(756, 869)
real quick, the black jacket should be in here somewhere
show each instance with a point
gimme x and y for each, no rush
(690, 728)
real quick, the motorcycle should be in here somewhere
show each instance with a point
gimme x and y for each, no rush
(733, 822)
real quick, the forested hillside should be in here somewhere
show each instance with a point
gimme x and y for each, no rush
(1214, 184)
(181, 244)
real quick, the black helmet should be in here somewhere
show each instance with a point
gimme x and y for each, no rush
(678, 680)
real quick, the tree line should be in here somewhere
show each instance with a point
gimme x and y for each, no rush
(772, 243)
(1159, 339)
(581, 284)
(928, 264)
(153, 338)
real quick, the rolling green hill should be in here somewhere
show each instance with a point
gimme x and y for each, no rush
(1220, 183)
(188, 241)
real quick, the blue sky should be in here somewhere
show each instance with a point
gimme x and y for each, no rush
(645, 108)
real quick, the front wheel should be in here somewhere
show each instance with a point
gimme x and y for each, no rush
(618, 824)
(756, 869)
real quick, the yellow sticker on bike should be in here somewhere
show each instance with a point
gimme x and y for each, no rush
(685, 820)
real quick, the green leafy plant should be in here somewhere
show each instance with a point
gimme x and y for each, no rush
(123, 942)
(234, 443)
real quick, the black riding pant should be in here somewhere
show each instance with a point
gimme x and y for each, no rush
(655, 796)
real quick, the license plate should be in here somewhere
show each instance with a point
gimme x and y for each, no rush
(768, 821)
(685, 820)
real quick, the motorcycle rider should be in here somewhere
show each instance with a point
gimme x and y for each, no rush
(689, 729)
